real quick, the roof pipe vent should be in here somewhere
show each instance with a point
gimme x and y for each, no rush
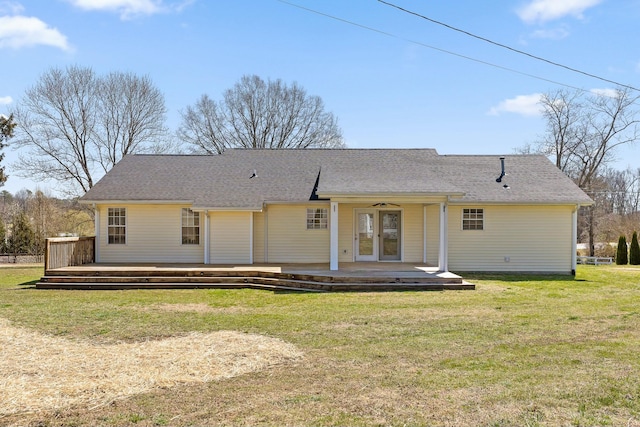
(502, 174)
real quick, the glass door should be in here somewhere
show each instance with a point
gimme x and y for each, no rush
(365, 236)
(390, 234)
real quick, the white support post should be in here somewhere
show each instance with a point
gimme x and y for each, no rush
(424, 234)
(96, 221)
(251, 238)
(206, 237)
(574, 240)
(444, 247)
(333, 237)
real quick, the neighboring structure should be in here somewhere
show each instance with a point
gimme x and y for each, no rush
(332, 206)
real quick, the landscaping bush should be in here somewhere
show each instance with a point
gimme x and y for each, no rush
(621, 253)
(634, 250)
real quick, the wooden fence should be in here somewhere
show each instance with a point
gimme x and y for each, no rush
(67, 251)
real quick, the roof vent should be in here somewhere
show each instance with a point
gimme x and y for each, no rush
(502, 174)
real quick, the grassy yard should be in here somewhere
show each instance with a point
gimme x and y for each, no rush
(520, 350)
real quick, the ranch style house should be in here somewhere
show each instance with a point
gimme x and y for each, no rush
(516, 213)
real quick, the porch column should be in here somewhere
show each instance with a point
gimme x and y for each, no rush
(333, 237)
(206, 237)
(574, 240)
(424, 234)
(251, 238)
(96, 242)
(443, 262)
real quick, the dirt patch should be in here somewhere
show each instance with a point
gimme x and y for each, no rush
(39, 372)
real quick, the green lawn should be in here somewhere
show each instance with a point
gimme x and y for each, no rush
(520, 350)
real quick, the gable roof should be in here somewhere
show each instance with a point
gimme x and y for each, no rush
(222, 181)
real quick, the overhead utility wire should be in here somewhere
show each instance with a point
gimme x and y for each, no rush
(430, 47)
(575, 70)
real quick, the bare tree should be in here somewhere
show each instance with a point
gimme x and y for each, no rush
(259, 114)
(77, 125)
(583, 133)
(130, 116)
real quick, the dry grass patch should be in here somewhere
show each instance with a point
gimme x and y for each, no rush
(199, 308)
(39, 372)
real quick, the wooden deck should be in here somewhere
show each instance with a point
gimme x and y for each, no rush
(358, 277)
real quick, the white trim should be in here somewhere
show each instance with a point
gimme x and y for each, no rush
(357, 257)
(96, 220)
(206, 237)
(126, 226)
(251, 238)
(462, 218)
(266, 234)
(424, 234)
(333, 240)
(443, 250)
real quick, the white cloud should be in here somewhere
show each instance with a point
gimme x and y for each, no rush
(5, 100)
(24, 31)
(549, 10)
(552, 34)
(525, 105)
(126, 8)
(10, 8)
(609, 93)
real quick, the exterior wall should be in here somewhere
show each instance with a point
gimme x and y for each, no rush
(154, 234)
(515, 238)
(230, 240)
(258, 236)
(411, 228)
(288, 238)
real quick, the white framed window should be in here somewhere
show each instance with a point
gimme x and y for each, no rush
(117, 226)
(190, 227)
(473, 219)
(317, 218)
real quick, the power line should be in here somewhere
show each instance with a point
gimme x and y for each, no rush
(448, 52)
(575, 70)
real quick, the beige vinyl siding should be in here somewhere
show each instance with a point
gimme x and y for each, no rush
(433, 234)
(154, 234)
(533, 238)
(288, 238)
(346, 235)
(230, 238)
(258, 236)
(412, 233)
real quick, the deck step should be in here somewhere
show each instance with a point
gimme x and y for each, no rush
(256, 283)
(193, 278)
(248, 276)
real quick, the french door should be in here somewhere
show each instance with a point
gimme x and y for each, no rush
(378, 235)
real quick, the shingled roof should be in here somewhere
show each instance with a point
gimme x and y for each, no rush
(223, 181)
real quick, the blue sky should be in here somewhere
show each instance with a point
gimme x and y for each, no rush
(384, 73)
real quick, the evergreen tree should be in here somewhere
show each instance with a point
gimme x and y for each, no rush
(22, 238)
(621, 253)
(634, 250)
(6, 131)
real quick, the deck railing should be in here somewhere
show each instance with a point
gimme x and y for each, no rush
(67, 251)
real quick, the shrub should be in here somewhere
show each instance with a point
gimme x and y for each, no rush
(634, 250)
(621, 253)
